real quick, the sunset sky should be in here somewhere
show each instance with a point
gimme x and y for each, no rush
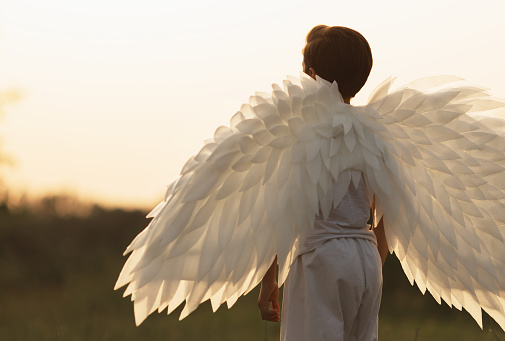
(116, 95)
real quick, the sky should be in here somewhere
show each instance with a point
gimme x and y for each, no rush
(117, 95)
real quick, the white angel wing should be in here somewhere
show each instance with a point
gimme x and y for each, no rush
(443, 193)
(254, 190)
(251, 193)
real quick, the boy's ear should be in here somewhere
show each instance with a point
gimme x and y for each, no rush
(312, 73)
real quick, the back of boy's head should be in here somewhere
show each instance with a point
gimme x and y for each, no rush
(338, 54)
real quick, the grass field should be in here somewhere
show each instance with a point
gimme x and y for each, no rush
(86, 308)
(58, 275)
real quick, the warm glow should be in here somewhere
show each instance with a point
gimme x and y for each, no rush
(118, 94)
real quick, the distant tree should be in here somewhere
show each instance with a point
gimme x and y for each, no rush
(7, 97)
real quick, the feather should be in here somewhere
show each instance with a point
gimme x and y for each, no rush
(433, 159)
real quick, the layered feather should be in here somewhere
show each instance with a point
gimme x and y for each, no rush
(445, 219)
(252, 193)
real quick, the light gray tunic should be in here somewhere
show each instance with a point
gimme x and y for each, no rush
(334, 286)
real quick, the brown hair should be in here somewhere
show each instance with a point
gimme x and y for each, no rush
(338, 54)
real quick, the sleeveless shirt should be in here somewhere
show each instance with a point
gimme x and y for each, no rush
(347, 220)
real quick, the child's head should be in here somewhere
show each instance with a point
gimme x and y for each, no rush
(338, 54)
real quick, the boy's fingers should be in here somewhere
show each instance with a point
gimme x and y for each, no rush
(275, 305)
(272, 316)
(269, 314)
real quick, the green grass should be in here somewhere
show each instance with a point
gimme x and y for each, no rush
(84, 307)
(58, 276)
(453, 326)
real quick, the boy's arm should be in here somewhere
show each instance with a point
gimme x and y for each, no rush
(269, 292)
(382, 244)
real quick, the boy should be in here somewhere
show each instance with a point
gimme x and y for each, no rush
(334, 286)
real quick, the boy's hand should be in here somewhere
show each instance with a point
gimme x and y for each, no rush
(269, 292)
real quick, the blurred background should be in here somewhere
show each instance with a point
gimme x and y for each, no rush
(102, 103)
